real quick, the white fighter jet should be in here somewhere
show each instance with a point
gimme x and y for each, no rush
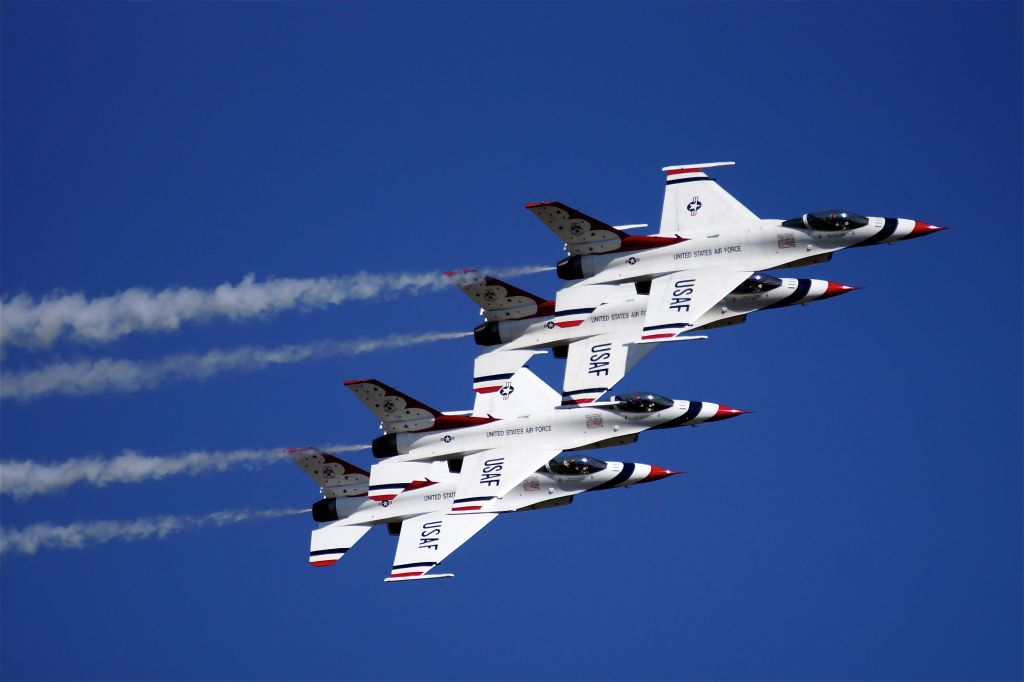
(420, 513)
(708, 244)
(506, 438)
(601, 329)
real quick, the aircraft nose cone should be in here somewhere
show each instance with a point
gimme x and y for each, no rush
(922, 229)
(836, 289)
(726, 413)
(659, 473)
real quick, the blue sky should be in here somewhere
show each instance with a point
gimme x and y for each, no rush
(864, 523)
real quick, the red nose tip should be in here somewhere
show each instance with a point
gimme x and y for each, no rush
(835, 289)
(726, 413)
(658, 473)
(921, 229)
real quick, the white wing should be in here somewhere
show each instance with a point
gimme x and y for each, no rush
(594, 365)
(489, 475)
(426, 540)
(696, 202)
(678, 299)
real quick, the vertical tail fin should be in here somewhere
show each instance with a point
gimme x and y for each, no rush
(694, 201)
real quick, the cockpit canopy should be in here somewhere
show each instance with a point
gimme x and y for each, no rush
(828, 221)
(758, 283)
(572, 464)
(641, 402)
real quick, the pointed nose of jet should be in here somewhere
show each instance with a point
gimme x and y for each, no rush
(836, 289)
(658, 473)
(922, 229)
(726, 413)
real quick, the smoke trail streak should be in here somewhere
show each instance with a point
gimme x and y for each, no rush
(109, 375)
(31, 539)
(23, 478)
(30, 323)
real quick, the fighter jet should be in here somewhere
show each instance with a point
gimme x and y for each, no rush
(420, 513)
(508, 435)
(601, 328)
(708, 244)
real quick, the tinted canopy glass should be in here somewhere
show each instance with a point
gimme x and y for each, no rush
(641, 402)
(758, 283)
(834, 221)
(571, 464)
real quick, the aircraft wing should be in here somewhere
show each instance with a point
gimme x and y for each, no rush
(490, 475)
(678, 299)
(594, 365)
(426, 540)
(696, 202)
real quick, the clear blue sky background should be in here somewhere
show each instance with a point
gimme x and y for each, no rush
(864, 523)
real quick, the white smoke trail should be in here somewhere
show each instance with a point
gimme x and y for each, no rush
(31, 323)
(31, 539)
(23, 478)
(109, 375)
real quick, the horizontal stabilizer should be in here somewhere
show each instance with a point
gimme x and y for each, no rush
(499, 300)
(581, 233)
(400, 413)
(337, 478)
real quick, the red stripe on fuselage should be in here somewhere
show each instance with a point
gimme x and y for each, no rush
(488, 389)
